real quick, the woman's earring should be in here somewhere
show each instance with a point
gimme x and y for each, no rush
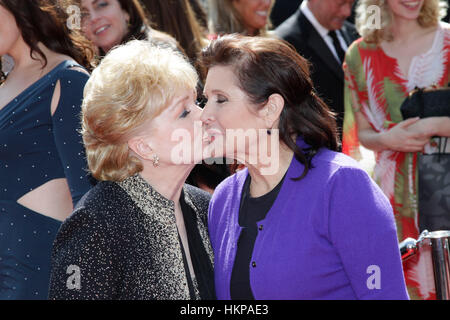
(269, 132)
(155, 160)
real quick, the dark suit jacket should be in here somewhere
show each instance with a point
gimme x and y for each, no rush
(326, 73)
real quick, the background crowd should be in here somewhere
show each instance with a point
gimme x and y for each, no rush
(42, 159)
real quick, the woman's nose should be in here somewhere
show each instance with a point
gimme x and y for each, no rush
(93, 17)
(267, 3)
(206, 116)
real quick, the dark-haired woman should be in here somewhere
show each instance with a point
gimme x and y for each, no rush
(302, 221)
(108, 23)
(42, 165)
(178, 19)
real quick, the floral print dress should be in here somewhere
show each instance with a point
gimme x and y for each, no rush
(376, 87)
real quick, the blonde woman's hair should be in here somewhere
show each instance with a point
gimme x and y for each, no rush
(430, 15)
(223, 18)
(133, 84)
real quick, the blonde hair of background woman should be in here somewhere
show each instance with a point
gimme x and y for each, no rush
(430, 15)
(133, 84)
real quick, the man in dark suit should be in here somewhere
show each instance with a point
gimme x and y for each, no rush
(320, 33)
(283, 9)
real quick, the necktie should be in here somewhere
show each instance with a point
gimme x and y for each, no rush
(337, 45)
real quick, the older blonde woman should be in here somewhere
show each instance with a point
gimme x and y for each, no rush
(248, 17)
(141, 232)
(408, 48)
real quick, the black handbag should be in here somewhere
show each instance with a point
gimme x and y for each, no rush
(434, 189)
(433, 169)
(424, 103)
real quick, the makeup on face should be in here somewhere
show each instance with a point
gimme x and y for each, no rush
(104, 22)
(406, 9)
(254, 13)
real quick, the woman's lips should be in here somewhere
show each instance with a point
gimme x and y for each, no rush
(411, 5)
(210, 135)
(101, 30)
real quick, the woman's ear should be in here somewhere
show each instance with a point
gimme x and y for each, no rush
(272, 110)
(141, 147)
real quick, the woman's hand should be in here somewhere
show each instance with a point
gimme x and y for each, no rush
(433, 126)
(410, 135)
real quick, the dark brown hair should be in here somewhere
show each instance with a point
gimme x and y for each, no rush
(139, 25)
(138, 20)
(45, 21)
(265, 66)
(177, 18)
(200, 13)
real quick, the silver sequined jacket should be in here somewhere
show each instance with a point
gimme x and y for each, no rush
(121, 242)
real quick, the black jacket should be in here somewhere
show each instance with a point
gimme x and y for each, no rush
(121, 242)
(326, 73)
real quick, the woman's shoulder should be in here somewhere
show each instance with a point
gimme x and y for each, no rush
(346, 176)
(72, 72)
(99, 210)
(358, 46)
(334, 162)
(101, 203)
(445, 27)
(361, 43)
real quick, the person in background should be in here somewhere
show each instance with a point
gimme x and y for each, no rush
(282, 10)
(248, 17)
(320, 33)
(301, 221)
(42, 165)
(410, 49)
(141, 233)
(200, 9)
(108, 23)
(177, 18)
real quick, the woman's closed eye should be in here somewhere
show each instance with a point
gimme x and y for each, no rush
(221, 99)
(185, 113)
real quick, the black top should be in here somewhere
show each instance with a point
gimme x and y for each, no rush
(251, 211)
(37, 147)
(203, 269)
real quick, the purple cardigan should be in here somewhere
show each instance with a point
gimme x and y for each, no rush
(329, 236)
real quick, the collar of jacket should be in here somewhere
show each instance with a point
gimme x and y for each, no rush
(162, 211)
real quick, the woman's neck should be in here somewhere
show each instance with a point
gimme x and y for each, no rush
(252, 32)
(263, 183)
(167, 180)
(405, 30)
(23, 62)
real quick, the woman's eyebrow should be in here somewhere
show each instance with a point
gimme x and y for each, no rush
(178, 102)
